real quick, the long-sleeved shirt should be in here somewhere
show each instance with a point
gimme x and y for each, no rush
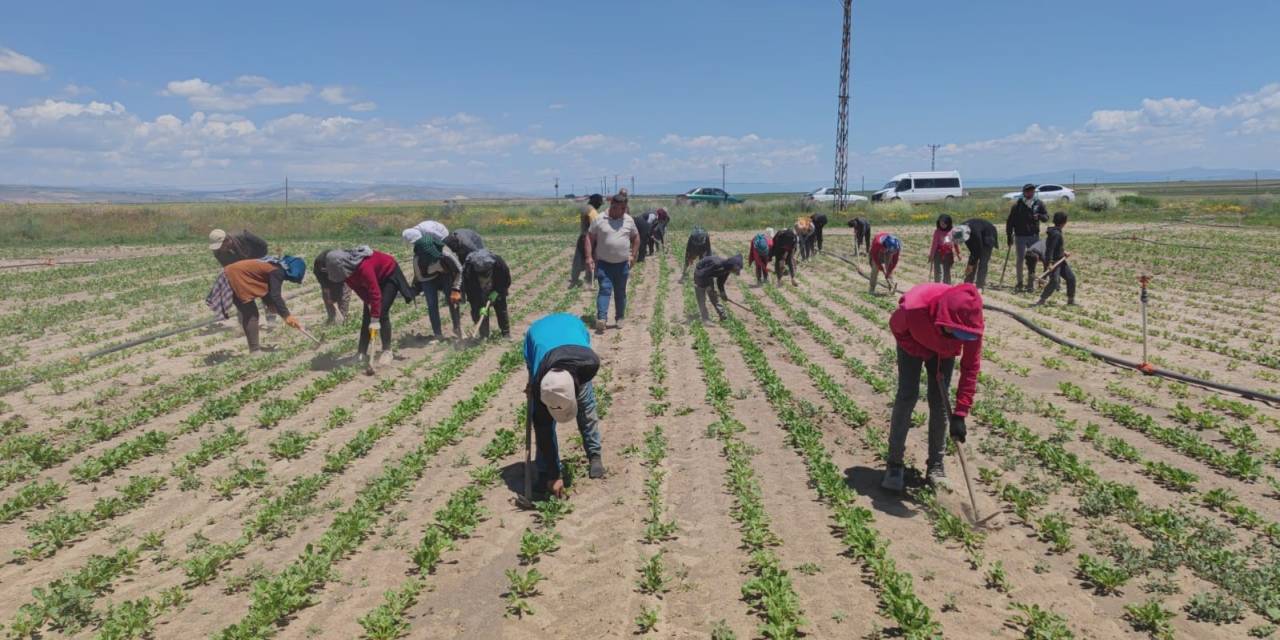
(717, 269)
(1025, 218)
(463, 242)
(240, 246)
(1054, 246)
(917, 326)
(253, 279)
(877, 255)
(367, 280)
(982, 234)
(474, 286)
(448, 269)
(942, 244)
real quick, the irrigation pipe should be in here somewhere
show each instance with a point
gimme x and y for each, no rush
(1117, 360)
(51, 263)
(148, 338)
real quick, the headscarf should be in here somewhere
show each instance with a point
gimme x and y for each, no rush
(411, 235)
(432, 228)
(768, 232)
(428, 249)
(482, 261)
(734, 262)
(341, 263)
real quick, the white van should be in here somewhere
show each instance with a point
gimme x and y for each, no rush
(921, 186)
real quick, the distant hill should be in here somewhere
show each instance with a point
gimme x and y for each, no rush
(1090, 176)
(298, 192)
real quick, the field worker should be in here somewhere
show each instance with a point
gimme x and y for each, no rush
(557, 351)
(660, 229)
(819, 221)
(462, 242)
(436, 271)
(485, 274)
(932, 325)
(861, 235)
(883, 254)
(697, 248)
(336, 295)
(804, 236)
(981, 239)
(709, 277)
(651, 218)
(227, 249)
(783, 253)
(644, 229)
(1054, 250)
(1031, 259)
(253, 279)
(759, 255)
(586, 216)
(376, 278)
(612, 244)
(944, 250)
(1022, 227)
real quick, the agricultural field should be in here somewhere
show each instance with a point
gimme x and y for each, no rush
(182, 488)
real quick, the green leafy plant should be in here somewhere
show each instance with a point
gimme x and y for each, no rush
(653, 578)
(1039, 624)
(1151, 617)
(647, 620)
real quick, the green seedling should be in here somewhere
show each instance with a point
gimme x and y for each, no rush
(647, 620)
(653, 578)
(534, 544)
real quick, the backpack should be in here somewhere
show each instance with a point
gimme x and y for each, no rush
(761, 244)
(294, 268)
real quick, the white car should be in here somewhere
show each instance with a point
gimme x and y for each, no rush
(828, 194)
(1047, 193)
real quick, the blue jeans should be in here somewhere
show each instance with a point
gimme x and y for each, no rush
(431, 291)
(548, 445)
(612, 278)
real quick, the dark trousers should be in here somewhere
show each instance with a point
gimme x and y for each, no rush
(976, 273)
(248, 312)
(389, 291)
(335, 296)
(904, 403)
(1063, 272)
(579, 263)
(499, 309)
(787, 258)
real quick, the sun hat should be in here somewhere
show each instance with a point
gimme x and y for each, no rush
(558, 394)
(216, 238)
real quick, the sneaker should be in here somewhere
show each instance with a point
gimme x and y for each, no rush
(1071, 303)
(617, 323)
(894, 479)
(385, 358)
(597, 468)
(937, 476)
(600, 326)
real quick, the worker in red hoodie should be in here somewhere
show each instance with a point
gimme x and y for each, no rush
(932, 325)
(884, 252)
(376, 278)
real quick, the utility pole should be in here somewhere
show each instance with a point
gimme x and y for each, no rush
(633, 185)
(1073, 181)
(557, 187)
(615, 183)
(864, 184)
(842, 112)
(722, 174)
(286, 193)
(933, 155)
(1255, 182)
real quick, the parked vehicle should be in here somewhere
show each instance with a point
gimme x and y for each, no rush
(1047, 193)
(711, 195)
(828, 194)
(921, 186)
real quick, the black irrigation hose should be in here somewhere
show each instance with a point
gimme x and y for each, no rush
(155, 336)
(1116, 360)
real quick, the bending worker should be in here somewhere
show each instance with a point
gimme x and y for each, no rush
(436, 270)
(376, 278)
(932, 325)
(253, 279)
(783, 252)
(861, 235)
(486, 274)
(981, 239)
(709, 276)
(883, 254)
(561, 365)
(696, 248)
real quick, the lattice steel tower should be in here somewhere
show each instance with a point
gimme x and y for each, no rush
(842, 119)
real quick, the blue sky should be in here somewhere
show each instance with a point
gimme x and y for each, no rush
(513, 94)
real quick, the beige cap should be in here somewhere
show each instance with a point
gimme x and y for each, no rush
(216, 238)
(558, 394)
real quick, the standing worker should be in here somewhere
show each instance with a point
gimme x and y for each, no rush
(944, 250)
(462, 242)
(861, 235)
(336, 295)
(981, 239)
(709, 277)
(612, 244)
(783, 252)
(883, 254)
(932, 325)
(696, 248)
(376, 278)
(253, 279)
(586, 216)
(561, 364)
(819, 221)
(436, 271)
(486, 274)
(1054, 251)
(760, 246)
(1022, 227)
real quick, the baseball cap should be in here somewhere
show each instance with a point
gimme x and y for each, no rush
(558, 394)
(1028, 187)
(216, 238)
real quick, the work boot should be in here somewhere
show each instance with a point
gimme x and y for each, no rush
(894, 479)
(597, 468)
(937, 476)
(600, 326)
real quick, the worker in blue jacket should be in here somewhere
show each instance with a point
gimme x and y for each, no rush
(557, 351)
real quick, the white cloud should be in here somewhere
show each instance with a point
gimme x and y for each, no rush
(364, 106)
(13, 62)
(243, 93)
(557, 105)
(335, 95)
(6, 123)
(72, 90)
(59, 109)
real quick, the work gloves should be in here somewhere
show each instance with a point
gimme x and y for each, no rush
(455, 297)
(292, 321)
(958, 428)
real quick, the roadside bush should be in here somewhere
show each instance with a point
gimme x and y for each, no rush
(1101, 200)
